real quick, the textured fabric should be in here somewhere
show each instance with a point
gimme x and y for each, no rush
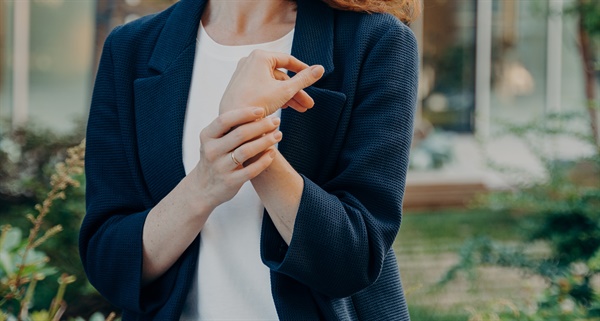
(351, 149)
(226, 289)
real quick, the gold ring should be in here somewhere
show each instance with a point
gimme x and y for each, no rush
(237, 163)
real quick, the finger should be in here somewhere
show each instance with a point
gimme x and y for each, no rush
(305, 78)
(256, 167)
(301, 99)
(296, 106)
(289, 62)
(226, 121)
(304, 99)
(234, 159)
(247, 132)
(280, 75)
(253, 148)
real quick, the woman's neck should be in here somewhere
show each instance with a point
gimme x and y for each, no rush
(242, 22)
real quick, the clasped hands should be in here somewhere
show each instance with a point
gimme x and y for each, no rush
(239, 144)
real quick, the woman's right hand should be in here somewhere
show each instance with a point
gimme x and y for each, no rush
(243, 133)
(257, 81)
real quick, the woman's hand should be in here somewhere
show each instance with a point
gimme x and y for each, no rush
(215, 180)
(258, 82)
(219, 174)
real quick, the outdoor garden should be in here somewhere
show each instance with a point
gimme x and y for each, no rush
(529, 252)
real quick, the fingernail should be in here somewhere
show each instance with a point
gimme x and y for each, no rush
(272, 154)
(317, 71)
(258, 111)
(278, 135)
(276, 121)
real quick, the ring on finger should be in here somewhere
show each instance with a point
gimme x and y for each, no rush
(232, 154)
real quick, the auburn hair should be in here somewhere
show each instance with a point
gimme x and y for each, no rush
(405, 10)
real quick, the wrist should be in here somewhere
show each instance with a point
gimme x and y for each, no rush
(197, 202)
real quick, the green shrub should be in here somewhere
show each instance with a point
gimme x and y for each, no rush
(563, 213)
(27, 159)
(23, 265)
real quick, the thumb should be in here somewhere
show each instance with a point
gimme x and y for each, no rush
(307, 77)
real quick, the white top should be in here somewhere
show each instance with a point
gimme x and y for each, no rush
(232, 282)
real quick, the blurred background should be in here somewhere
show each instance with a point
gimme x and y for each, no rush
(502, 205)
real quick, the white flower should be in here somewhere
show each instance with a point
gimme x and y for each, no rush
(579, 269)
(567, 305)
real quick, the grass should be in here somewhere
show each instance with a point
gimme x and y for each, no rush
(427, 247)
(422, 313)
(444, 231)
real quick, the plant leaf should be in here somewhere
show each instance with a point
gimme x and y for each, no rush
(6, 263)
(13, 238)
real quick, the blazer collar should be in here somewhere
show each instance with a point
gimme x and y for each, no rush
(179, 32)
(313, 36)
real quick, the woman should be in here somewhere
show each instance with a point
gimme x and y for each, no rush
(200, 207)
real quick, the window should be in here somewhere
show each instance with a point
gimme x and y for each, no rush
(519, 60)
(46, 61)
(448, 78)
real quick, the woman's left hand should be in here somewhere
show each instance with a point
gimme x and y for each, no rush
(257, 82)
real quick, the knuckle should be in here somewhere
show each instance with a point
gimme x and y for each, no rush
(241, 62)
(259, 54)
(209, 152)
(220, 121)
(203, 136)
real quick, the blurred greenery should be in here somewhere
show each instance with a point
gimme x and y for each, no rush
(427, 244)
(24, 267)
(27, 159)
(446, 229)
(589, 11)
(562, 211)
(419, 313)
(563, 214)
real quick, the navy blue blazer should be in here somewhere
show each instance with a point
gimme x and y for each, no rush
(351, 150)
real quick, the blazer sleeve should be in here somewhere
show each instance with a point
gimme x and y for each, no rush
(110, 240)
(345, 227)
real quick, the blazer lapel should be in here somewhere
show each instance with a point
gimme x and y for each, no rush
(313, 35)
(180, 31)
(161, 100)
(309, 135)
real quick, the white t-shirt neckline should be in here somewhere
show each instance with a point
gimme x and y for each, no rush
(234, 52)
